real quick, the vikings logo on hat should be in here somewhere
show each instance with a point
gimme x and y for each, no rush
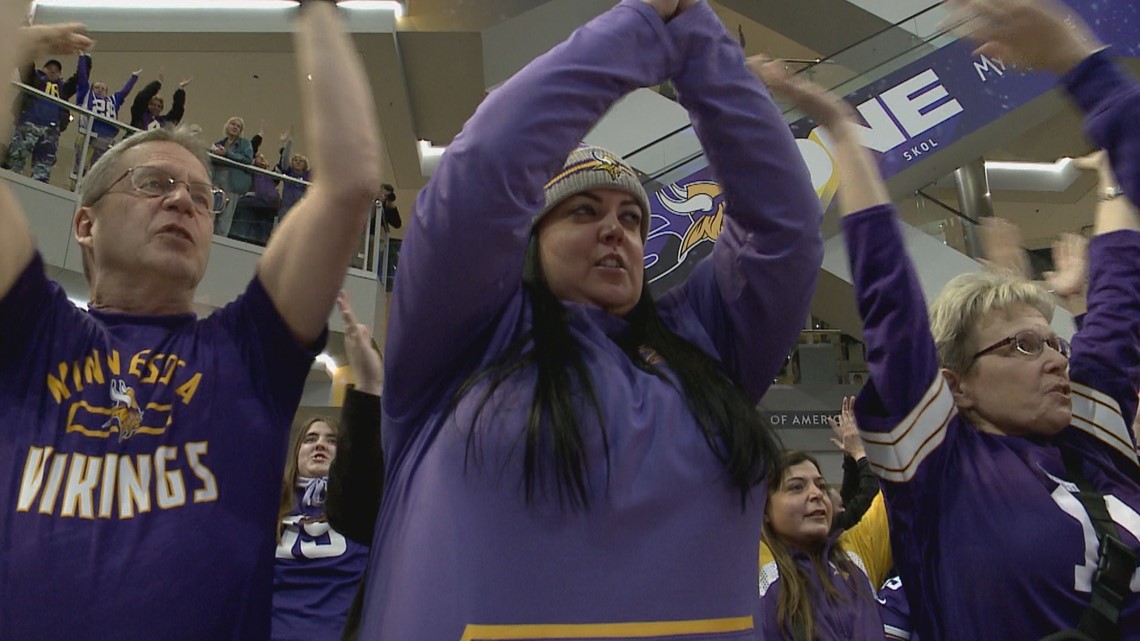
(599, 160)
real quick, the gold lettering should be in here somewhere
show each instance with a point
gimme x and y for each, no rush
(171, 490)
(209, 490)
(113, 362)
(81, 482)
(92, 369)
(51, 492)
(33, 477)
(186, 390)
(107, 490)
(137, 362)
(58, 386)
(172, 364)
(134, 486)
(151, 370)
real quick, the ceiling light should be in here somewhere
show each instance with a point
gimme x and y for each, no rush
(265, 5)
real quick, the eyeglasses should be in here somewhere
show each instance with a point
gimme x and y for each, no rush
(153, 182)
(1029, 343)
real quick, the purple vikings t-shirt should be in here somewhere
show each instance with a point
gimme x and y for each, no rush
(989, 536)
(140, 462)
(314, 579)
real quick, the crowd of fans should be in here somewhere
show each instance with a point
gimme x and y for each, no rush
(255, 202)
(557, 454)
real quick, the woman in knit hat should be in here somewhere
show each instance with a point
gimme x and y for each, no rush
(568, 458)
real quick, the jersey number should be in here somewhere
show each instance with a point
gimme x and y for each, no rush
(1126, 519)
(320, 540)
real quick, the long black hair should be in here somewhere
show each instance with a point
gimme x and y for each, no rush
(730, 423)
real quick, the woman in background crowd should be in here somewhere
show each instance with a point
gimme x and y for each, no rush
(317, 569)
(232, 180)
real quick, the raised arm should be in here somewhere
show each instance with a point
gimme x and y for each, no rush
(128, 86)
(767, 257)
(1106, 349)
(18, 43)
(462, 259)
(138, 105)
(178, 108)
(1046, 35)
(356, 476)
(82, 77)
(308, 256)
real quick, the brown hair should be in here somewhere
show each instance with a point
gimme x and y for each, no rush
(292, 472)
(794, 609)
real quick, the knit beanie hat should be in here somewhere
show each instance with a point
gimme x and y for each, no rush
(595, 168)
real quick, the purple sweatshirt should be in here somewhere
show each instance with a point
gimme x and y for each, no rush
(140, 463)
(664, 548)
(967, 508)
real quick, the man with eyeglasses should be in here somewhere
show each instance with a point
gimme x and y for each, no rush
(142, 449)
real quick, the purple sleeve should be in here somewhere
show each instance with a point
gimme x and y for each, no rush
(1106, 350)
(462, 259)
(1110, 99)
(901, 357)
(904, 410)
(83, 83)
(278, 363)
(125, 91)
(29, 309)
(767, 258)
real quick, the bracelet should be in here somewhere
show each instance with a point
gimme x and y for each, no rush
(1111, 193)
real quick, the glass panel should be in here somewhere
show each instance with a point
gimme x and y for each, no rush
(678, 153)
(61, 154)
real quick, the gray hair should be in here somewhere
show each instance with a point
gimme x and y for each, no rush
(969, 298)
(104, 172)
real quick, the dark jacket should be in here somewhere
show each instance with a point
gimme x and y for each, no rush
(140, 116)
(860, 485)
(44, 112)
(356, 483)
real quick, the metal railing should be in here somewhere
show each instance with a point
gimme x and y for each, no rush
(66, 172)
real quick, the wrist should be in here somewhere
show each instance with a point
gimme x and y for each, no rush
(369, 387)
(1109, 191)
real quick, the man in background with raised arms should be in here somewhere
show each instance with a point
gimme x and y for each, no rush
(141, 449)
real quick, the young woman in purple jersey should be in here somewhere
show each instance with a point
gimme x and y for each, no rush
(318, 569)
(993, 443)
(564, 453)
(813, 588)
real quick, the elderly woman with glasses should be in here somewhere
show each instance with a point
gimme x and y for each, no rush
(1008, 467)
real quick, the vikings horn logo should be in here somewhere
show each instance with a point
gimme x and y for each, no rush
(694, 214)
(609, 164)
(125, 412)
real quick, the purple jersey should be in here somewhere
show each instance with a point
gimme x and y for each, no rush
(663, 549)
(314, 579)
(967, 508)
(853, 616)
(140, 461)
(895, 612)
